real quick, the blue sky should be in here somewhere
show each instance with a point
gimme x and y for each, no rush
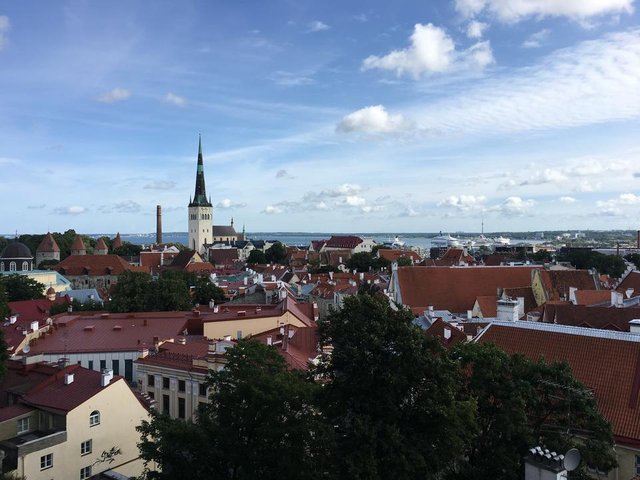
(368, 115)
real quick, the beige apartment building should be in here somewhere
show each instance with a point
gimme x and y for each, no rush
(68, 423)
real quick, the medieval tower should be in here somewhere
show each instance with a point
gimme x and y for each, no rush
(200, 211)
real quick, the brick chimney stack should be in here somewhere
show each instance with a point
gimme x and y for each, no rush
(158, 225)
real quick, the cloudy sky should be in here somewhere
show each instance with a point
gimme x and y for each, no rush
(366, 115)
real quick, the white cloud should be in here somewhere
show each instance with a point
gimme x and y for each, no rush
(516, 10)
(622, 200)
(128, 206)
(567, 200)
(432, 50)
(362, 18)
(596, 81)
(273, 210)
(174, 99)
(228, 204)
(5, 26)
(282, 173)
(318, 26)
(463, 202)
(74, 210)
(514, 206)
(115, 95)
(372, 120)
(475, 29)
(354, 201)
(160, 185)
(536, 39)
(289, 79)
(547, 175)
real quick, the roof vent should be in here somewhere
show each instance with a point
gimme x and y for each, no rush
(241, 313)
(13, 318)
(34, 326)
(227, 338)
(117, 328)
(182, 341)
(68, 378)
(88, 328)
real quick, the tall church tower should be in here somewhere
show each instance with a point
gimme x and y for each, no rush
(200, 211)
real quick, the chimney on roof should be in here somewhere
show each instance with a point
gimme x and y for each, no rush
(628, 292)
(159, 225)
(572, 295)
(447, 333)
(331, 275)
(227, 338)
(469, 314)
(62, 362)
(68, 378)
(13, 318)
(269, 340)
(106, 377)
(634, 326)
(507, 310)
(617, 299)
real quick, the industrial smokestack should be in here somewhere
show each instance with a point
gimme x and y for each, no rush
(158, 225)
(638, 239)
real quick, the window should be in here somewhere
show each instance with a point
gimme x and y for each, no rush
(128, 370)
(151, 380)
(115, 365)
(85, 473)
(151, 394)
(165, 403)
(203, 389)
(46, 461)
(86, 447)
(637, 464)
(181, 385)
(181, 407)
(23, 425)
(103, 364)
(94, 418)
(12, 267)
(90, 365)
(165, 383)
(25, 266)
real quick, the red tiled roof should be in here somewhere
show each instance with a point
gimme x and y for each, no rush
(610, 367)
(630, 281)
(52, 393)
(114, 332)
(343, 241)
(437, 330)
(48, 244)
(155, 259)
(488, 305)
(13, 411)
(594, 317)
(456, 288)
(558, 282)
(117, 242)
(94, 265)
(300, 348)
(318, 244)
(223, 256)
(392, 255)
(522, 292)
(179, 356)
(77, 244)
(593, 297)
(455, 256)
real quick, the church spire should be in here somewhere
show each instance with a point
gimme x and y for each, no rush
(200, 196)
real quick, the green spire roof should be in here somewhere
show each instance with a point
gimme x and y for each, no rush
(200, 196)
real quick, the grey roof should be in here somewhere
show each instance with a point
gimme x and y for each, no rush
(224, 231)
(16, 250)
(83, 295)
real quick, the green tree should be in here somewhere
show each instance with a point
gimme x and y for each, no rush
(633, 258)
(128, 249)
(206, 291)
(131, 293)
(256, 256)
(404, 262)
(276, 253)
(257, 405)
(390, 392)
(521, 404)
(21, 287)
(4, 301)
(361, 261)
(169, 294)
(586, 258)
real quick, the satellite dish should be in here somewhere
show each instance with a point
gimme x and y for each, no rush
(26, 349)
(572, 459)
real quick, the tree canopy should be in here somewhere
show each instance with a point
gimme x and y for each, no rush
(20, 287)
(276, 253)
(365, 261)
(260, 423)
(256, 256)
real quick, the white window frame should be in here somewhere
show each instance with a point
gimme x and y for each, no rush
(94, 418)
(85, 472)
(12, 266)
(23, 425)
(86, 447)
(46, 461)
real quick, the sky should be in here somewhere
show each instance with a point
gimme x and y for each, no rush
(358, 116)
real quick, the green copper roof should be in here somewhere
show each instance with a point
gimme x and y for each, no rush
(200, 196)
